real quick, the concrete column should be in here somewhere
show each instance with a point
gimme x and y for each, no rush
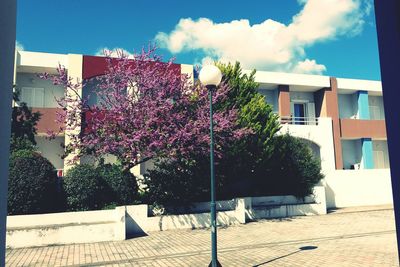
(75, 67)
(284, 100)
(367, 153)
(363, 105)
(7, 56)
(240, 210)
(120, 230)
(188, 69)
(14, 104)
(326, 105)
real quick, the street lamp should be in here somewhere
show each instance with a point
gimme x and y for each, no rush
(210, 76)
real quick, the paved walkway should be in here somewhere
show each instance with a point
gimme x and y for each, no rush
(338, 239)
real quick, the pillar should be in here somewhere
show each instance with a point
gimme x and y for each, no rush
(75, 67)
(326, 105)
(284, 100)
(367, 153)
(363, 105)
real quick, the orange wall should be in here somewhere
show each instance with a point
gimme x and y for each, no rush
(350, 128)
(47, 120)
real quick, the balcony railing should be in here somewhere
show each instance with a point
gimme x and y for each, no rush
(298, 120)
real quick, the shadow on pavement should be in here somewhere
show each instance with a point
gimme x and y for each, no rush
(284, 256)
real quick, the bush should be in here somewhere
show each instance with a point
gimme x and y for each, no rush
(19, 143)
(289, 169)
(32, 184)
(121, 185)
(292, 170)
(84, 188)
(90, 188)
(178, 182)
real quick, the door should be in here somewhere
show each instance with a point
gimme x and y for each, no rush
(299, 113)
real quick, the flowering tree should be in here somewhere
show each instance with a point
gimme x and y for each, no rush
(145, 109)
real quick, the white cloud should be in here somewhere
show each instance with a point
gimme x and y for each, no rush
(115, 52)
(270, 45)
(19, 46)
(309, 66)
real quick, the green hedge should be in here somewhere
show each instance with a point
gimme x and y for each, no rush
(293, 169)
(31, 184)
(288, 169)
(89, 188)
(121, 185)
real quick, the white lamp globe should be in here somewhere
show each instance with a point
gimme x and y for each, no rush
(210, 75)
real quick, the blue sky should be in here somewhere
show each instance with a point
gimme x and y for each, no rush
(336, 38)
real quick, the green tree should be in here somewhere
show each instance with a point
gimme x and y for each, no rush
(23, 121)
(245, 159)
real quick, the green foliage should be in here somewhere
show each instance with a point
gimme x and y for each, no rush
(23, 120)
(254, 113)
(19, 143)
(31, 184)
(121, 184)
(253, 110)
(178, 182)
(294, 170)
(84, 188)
(90, 188)
(242, 86)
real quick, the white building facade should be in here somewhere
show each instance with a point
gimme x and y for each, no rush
(342, 120)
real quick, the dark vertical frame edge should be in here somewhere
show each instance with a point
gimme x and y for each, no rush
(7, 56)
(387, 14)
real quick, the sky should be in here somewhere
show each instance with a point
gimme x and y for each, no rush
(328, 37)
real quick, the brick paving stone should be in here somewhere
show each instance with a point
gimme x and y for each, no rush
(353, 239)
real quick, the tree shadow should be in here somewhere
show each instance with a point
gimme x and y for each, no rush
(287, 255)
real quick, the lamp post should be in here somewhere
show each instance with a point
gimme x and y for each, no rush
(210, 76)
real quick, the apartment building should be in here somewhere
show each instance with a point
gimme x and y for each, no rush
(341, 119)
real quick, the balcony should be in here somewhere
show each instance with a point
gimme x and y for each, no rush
(355, 128)
(299, 120)
(315, 130)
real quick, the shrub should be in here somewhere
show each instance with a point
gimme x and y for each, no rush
(292, 170)
(121, 185)
(178, 182)
(19, 143)
(84, 188)
(32, 184)
(289, 169)
(89, 188)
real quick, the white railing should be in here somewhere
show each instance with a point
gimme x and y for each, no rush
(298, 120)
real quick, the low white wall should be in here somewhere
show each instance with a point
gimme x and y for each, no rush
(231, 212)
(347, 188)
(138, 221)
(286, 206)
(128, 221)
(65, 228)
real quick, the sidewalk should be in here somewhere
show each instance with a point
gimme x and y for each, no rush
(361, 209)
(346, 238)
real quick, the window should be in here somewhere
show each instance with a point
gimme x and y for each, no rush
(379, 159)
(33, 97)
(375, 112)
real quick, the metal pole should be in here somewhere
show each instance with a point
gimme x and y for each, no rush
(214, 260)
(7, 54)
